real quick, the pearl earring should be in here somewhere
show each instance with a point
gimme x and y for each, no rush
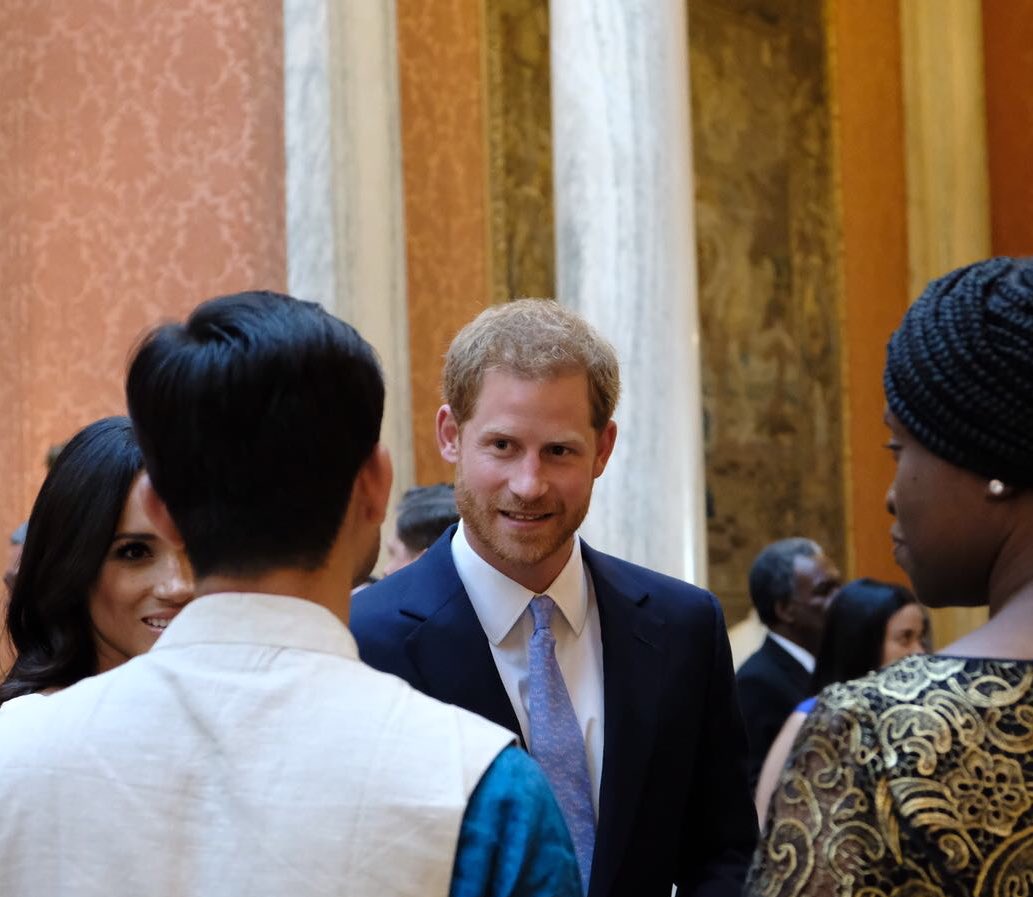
(996, 488)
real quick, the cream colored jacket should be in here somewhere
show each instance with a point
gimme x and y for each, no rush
(250, 752)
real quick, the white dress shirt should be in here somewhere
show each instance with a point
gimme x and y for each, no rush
(502, 607)
(800, 655)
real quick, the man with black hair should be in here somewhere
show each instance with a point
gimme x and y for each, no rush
(251, 752)
(424, 513)
(792, 582)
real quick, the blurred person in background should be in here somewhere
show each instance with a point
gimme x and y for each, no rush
(424, 513)
(869, 625)
(15, 555)
(791, 583)
(13, 560)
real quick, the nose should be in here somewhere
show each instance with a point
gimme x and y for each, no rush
(527, 482)
(177, 585)
(891, 501)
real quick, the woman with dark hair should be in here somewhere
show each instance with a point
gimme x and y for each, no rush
(96, 585)
(918, 779)
(868, 625)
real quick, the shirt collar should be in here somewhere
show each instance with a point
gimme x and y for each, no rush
(499, 602)
(252, 618)
(801, 655)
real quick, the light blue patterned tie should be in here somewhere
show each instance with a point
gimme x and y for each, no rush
(556, 741)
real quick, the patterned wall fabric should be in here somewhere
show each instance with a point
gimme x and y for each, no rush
(141, 170)
(768, 292)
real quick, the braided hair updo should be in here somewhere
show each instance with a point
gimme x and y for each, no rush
(959, 369)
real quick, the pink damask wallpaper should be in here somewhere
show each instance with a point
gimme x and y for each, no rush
(141, 171)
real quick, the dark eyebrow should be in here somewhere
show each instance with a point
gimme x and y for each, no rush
(136, 537)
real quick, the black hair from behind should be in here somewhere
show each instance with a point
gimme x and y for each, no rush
(70, 530)
(855, 630)
(254, 418)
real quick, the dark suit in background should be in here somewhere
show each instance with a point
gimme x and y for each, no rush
(771, 683)
(673, 802)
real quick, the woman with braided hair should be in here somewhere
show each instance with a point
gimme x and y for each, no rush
(917, 780)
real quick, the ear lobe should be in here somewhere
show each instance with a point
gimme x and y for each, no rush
(448, 434)
(784, 611)
(158, 513)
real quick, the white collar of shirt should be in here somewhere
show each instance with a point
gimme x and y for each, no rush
(259, 619)
(802, 656)
(499, 602)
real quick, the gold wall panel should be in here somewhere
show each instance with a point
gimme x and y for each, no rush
(765, 219)
(1008, 60)
(948, 183)
(520, 148)
(869, 103)
(445, 164)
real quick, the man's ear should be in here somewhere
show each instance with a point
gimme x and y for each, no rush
(784, 611)
(372, 489)
(158, 513)
(448, 434)
(604, 443)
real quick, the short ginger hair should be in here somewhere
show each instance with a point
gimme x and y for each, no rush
(535, 339)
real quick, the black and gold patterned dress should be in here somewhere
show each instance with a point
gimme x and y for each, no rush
(911, 782)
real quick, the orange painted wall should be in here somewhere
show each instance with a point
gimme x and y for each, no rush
(867, 87)
(141, 170)
(1008, 60)
(445, 162)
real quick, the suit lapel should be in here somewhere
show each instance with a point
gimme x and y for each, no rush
(633, 649)
(465, 676)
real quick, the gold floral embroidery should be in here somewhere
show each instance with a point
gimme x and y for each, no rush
(990, 792)
(916, 781)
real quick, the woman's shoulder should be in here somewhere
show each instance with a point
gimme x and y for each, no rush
(23, 702)
(919, 712)
(979, 682)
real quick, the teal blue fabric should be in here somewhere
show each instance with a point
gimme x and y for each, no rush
(513, 841)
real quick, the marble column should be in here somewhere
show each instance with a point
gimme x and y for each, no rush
(345, 223)
(626, 260)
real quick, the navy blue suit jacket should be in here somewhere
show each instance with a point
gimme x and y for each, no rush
(674, 805)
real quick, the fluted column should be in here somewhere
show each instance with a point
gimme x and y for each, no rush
(345, 226)
(626, 260)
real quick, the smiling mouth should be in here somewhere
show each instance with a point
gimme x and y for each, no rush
(158, 624)
(524, 518)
